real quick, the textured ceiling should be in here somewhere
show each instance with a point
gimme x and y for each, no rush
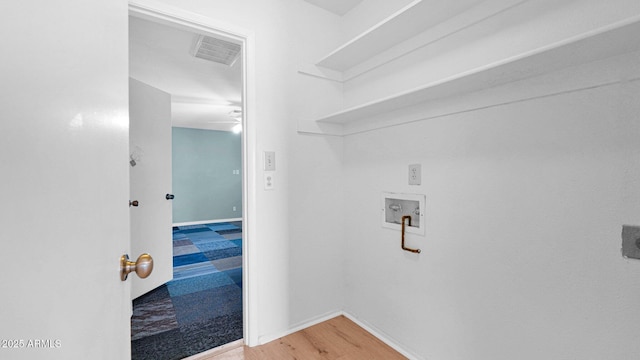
(203, 92)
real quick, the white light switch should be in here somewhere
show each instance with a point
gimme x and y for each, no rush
(269, 160)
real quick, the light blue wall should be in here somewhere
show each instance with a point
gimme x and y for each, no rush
(204, 184)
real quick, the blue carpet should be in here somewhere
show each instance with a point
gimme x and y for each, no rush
(198, 283)
(206, 235)
(217, 245)
(222, 227)
(223, 253)
(237, 243)
(189, 259)
(235, 275)
(193, 231)
(220, 301)
(201, 308)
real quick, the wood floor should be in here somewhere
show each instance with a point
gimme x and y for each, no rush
(335, 339)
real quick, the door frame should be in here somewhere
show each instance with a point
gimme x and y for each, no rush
(173, 16)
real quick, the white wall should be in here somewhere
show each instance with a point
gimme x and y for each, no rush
(525, 203)
(295, 232)
(521, 257)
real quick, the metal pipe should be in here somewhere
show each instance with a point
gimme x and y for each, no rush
(417, 251)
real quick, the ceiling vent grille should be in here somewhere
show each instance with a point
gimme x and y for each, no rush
(216, 50)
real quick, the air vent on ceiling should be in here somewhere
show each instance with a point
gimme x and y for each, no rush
(216, 50)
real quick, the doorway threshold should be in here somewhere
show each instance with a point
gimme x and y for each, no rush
(217, 351)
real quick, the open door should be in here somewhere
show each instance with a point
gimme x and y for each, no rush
(150, 183)
(63, 150)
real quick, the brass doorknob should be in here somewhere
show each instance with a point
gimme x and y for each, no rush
(143, 266)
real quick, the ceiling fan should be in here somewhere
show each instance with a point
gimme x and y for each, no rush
(235, 117)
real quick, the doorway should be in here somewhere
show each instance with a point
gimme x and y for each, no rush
(224, 111)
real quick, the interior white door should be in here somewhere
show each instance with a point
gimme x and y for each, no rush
(65, 180)
(150, 179)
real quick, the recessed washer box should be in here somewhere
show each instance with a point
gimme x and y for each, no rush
(395, 205)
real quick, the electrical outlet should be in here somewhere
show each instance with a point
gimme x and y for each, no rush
(268, 181)
(415, 174)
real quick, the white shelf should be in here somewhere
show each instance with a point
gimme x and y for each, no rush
(409, 21)
(617, 39)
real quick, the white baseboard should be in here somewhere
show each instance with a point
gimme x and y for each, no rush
(300, 326)
(206, 222)
(382, 337)
(369, 328)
